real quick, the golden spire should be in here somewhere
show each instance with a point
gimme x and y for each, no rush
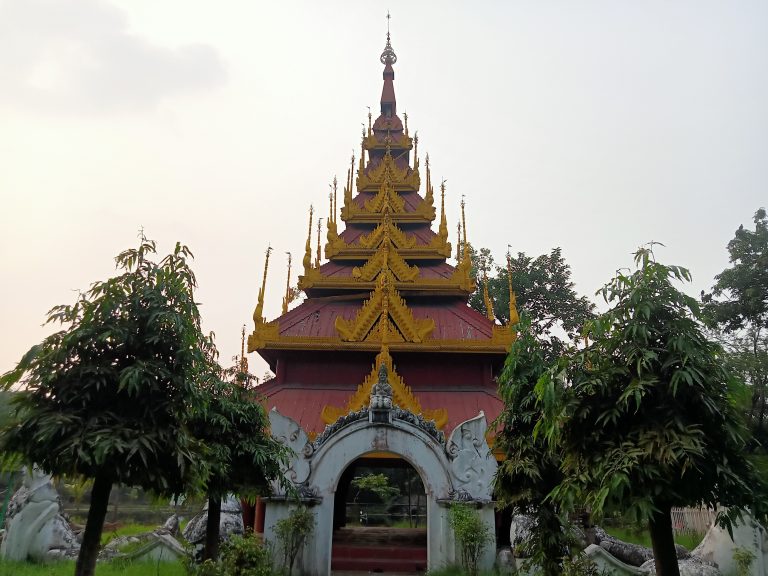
(405, 118)
(317, 256)
(443, 230)
(258, 314)
(514, 317)
(243, 359)
(486, 296)
(362, 149)
(308, 247)
(369, 120)
(416, 149)
(288, 296)
(333, 208)
(465, 253)
(348, 188)
(458, 242)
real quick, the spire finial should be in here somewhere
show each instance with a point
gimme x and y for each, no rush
(458, 242)
(443, 222)
(317, 256)
(308, 246)
(514, 317)
(388, 56)
(486, 295)
(258, 314)
(288, 296)
(243, 358)
(464, 230)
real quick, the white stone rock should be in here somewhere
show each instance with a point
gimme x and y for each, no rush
(35, 528)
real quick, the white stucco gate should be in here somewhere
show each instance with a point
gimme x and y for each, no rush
(460, 469)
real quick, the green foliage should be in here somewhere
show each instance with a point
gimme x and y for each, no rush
(738, 305)
(544, 291)
(66, 568)
(106, 397)
(472, 535)
(743, 557)
(240, 556)
(530, 470)
(646, 421)
(581, 565)
(241, 455)
(292, 532)
(107, 394)
(377, 484)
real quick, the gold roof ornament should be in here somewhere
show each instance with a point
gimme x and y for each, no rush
(308, 247)
(458, 242)
(317, 255)
(443, 229)
(486, 295)
(402, 395)
(514, 317)
(258, 313)
(402, 325)
(243, 365)
(288, 298)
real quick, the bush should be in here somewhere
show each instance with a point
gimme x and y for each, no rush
(292, 532)
(472, 535)
(240, 556)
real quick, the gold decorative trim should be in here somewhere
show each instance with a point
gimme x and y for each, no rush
(384, 304)
(402, 395)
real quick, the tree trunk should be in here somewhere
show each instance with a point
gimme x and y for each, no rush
(89, 549)
(211, 550)
(663, 542)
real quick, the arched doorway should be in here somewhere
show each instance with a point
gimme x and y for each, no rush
(460, 468)
(380, 516)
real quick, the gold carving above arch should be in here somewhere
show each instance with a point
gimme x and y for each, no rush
(402, 395)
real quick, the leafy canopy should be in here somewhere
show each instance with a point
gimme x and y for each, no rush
(544, 291)
(530, 471)
(646, 420)
(107, 394)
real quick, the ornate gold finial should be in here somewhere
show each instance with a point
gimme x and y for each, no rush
(369, 120)
(416, 149)
(458, 242)
(333, 209)
(443, 230)
(486, 295)
(388, 56)
(243, 359)
(308, 247)
(288, 295)
(465, 253)
(317, 256)
(330, 207)
(362, 148)
(514, 317)
(258, 314)
(405, 119)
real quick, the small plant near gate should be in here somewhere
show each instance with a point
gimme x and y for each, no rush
(472, 535)
(743, 557)
(292, 532)
(240, 556)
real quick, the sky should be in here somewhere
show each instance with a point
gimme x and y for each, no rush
(593, 125)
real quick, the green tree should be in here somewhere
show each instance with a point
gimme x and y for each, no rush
(530, 470)
(106, 397)
(738, 305)
(242, 456)
(544, 291)
(646, 422)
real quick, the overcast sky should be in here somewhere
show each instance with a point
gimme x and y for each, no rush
(591, 125)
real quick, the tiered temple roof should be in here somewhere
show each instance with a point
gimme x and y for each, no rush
(385, 295)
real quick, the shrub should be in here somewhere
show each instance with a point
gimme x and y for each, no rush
(292, 532)
(472, 535)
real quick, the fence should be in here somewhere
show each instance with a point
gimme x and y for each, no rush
(692, 520)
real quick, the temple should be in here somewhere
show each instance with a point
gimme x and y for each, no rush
(384, 295)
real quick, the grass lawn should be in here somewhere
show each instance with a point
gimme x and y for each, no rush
(102, 569)
(689, 541)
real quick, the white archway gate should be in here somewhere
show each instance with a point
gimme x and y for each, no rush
(460, 469)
